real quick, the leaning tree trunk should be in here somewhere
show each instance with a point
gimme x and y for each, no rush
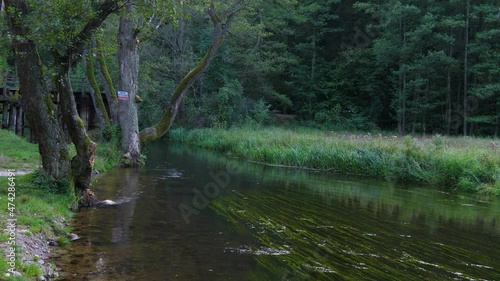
(37, 101)
(129, 71)
(83, 163)
(221, 26)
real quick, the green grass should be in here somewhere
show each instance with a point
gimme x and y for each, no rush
(17, 153)
(470, 164)
(31, 270)
(35, 206)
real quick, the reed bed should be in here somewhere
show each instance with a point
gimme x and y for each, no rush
(464, 163)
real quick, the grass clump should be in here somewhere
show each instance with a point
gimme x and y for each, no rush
(31, 270)
(470, 164)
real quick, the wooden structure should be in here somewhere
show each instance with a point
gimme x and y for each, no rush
(11, 111)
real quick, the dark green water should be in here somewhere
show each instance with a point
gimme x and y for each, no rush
(271, 223)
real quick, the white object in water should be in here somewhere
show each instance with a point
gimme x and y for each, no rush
(108, 202)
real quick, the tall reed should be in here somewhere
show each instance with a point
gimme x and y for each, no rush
(471, 164)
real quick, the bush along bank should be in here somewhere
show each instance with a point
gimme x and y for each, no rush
(468, 164)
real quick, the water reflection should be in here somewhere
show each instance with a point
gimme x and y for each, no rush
(273, 223)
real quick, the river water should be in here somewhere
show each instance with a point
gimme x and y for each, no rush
(191, 214)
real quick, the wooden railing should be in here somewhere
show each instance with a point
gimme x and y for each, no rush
(11, 111)
(10, 83)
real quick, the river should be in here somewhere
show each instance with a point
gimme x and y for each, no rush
(191, 214)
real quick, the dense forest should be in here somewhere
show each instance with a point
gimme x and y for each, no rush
(420, 67)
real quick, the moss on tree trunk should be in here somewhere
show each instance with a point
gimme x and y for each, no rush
(111, 94)
(98, 101)
(83, 163)
(221, 25)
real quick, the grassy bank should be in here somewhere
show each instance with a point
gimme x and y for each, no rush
(469, 164)
(41, 215)
(42, 207)
(16, 153)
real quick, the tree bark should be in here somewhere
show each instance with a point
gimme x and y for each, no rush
(221, 26)
(5, 114)
(401, 86)
(83, 163)
(466, 51)
(98, 101)
(448, 102)
(12, 117)
(19, 121)
(111, 92)
(37, 101)
(129, 71)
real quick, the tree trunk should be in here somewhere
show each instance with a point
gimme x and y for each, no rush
(37, 101)
(12, 118)
(497, 119)
(83, 163)
(111, 94)
(313, 59)
(448, 102)
(19, 121)
(424, 114)
(465, 66)
(5, 114)
(129, 71)
(403, 109)
(96, 91)
(218, 34)
(400, 112)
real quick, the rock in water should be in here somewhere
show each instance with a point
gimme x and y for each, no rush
(108, 202)
(73, 237)
(53, 243)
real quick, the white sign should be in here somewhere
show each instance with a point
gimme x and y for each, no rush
(122, 95)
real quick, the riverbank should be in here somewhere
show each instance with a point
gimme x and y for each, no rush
(40, 207)
(468, 164)
(40, 217)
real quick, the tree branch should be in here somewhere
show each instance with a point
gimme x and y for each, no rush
(221, 27)
(77, 45)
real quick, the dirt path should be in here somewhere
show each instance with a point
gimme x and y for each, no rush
(6, 173)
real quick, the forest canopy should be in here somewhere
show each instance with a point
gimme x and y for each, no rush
(354, 65)
(421, 67)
